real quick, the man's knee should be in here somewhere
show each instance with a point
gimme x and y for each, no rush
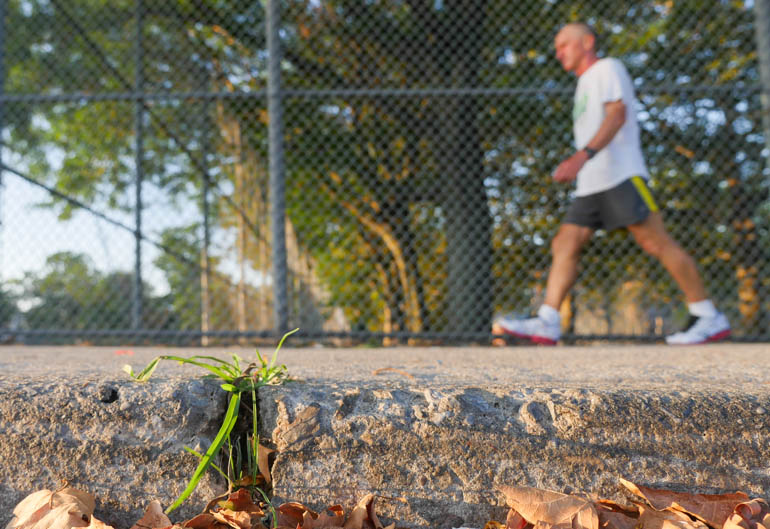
(566, 245)
(660, 245)
(651, 244)
(652, 236)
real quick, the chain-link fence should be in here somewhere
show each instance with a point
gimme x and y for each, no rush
(149, 147)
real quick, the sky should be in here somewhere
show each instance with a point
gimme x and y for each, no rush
(30, 233)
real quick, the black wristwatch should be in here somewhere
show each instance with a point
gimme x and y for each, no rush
(590, 152)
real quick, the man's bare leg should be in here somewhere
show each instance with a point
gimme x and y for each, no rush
(652, 236)
(706, 324)
(545, 328)
(565, 249)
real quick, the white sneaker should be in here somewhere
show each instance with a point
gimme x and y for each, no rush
(702, 330)
(536, 330)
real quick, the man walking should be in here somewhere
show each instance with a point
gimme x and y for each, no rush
(611, 193)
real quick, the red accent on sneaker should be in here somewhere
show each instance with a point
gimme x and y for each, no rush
(711, 339)
(540, 340)
(718, 336)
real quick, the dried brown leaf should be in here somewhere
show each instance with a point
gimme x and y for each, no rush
(713, 509)
(202, 521)
(515, 521)
(363, 516)
(546, 525)
(359, 514)
(240, 500)
(751, 510)
(154, 517)
(613, 506)
(670, 519)
(234, 519)
(753, 514)
(613, 515)
(735, 521)
(334, 516)
(263, 464)
(551, 508)
(292, 514)
(616, 520)
(61, 509)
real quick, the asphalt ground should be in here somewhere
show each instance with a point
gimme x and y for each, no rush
(743, 368)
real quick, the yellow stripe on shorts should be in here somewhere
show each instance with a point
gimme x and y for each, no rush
(644, 192)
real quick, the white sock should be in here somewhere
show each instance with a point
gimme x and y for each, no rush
(549, 314)
(704, 308)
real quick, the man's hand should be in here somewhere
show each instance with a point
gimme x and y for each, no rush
(568, 169)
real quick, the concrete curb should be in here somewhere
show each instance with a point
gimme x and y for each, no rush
(437, 454)
(119, 440)
(433, 430)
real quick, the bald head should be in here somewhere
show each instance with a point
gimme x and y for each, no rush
(576, 47)
(579, 30)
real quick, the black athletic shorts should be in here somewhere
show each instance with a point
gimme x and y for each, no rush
(629, 202)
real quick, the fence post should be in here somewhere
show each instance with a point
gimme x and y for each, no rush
(762, 26)
(205, 275)
(136, 306)
(277, 168)
(2, 82)
(205, 281)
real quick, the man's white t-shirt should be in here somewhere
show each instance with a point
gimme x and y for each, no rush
(605, 81)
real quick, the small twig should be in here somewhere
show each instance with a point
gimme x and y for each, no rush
(398, 499)
(64, 485)
(394, 370)
(216, 500)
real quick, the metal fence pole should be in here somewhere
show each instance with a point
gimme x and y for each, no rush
(762, 26)
(277, 168)
(205, 275)
(2, 93)
(2, 80)
(136, 308)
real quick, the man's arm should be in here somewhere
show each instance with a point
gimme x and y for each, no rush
(614, 118)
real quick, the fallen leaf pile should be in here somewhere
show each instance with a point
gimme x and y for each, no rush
(70, 508)
(648, 509)
(530, 508)
(60, 509)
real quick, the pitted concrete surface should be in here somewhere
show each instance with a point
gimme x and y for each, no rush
(433, 430)
(119, 440)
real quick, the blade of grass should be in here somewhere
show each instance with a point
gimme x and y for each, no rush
(275, 353)
(232, 368)
(215, 467)
(225, 375)
(254, 436)
(219, 440)
(145, 373)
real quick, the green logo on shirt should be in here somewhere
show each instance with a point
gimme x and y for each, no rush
(580, 107)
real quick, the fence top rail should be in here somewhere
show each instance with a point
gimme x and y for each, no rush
(84, 97)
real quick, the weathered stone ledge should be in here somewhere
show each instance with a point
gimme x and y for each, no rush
(120, 440)
(439, 452)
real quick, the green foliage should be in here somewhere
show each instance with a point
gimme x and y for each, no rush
(8, 308)
(235, 381)
(70, 293)
(424, 206)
